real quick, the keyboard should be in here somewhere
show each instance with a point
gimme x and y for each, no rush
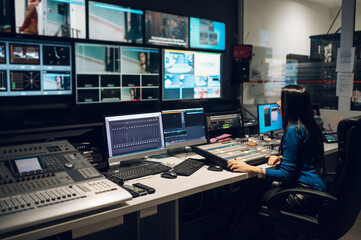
(188, 167)
(136, 171)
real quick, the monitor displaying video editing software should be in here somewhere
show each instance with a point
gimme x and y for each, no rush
(166, 29)
(207, 34)
(35, 69)
(115, 23)
(184, 127)
(131, 137)
(112, 73)
(191, 75)
(269, 118)
(55, 18)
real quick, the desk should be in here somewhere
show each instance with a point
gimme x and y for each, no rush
(168, 191)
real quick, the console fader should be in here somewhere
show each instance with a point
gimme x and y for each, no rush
(251, 150)
(48, 181)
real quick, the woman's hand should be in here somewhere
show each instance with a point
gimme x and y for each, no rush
(274, 160)
(238, 165)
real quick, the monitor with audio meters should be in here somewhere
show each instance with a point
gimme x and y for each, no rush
(133, 137)
(269, 118)
(184, 127)
(191, 75)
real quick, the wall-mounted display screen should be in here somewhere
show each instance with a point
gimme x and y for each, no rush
(35, 69)
(2, 53)
(166, 29)
(115, 23)
(110, 73)
(58, 18)
(24, 54)
(5, 19)
(191, 75)
(207, 34)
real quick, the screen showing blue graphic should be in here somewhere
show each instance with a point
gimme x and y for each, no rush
(207, 34)
(269, 118)
(191, 75)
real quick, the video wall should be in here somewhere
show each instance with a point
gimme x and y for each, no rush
(120, 59)
(35, 69)
(110, 73)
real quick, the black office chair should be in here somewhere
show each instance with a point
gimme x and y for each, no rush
(340, 207)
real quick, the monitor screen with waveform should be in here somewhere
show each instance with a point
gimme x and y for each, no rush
(133, 137)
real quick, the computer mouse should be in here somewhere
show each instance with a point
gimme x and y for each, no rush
(169, 174)
(216, 168)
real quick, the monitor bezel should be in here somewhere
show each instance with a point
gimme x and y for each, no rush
(133, 156)
(186, 143)
(258, 117)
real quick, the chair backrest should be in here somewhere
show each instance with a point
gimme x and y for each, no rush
(348, 182)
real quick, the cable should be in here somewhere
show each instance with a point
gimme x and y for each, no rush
(334, 20)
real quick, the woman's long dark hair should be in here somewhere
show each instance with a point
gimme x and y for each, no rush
(296, 106)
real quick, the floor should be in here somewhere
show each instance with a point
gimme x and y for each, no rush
(355, 232)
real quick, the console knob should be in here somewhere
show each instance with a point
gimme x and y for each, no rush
(69, 165)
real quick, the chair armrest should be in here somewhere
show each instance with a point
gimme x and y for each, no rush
(327, 210)
(316, 193)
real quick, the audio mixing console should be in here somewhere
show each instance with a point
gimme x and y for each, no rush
(42, 182)
(251, 150)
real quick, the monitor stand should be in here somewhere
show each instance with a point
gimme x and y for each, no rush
(175, 151)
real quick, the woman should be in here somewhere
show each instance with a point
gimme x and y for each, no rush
(301, 160)
(30, 24)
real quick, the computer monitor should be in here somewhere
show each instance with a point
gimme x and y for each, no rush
(113, 73)
(5, 16)
(115, 23)
(191, 75)
(35, 68)
(166, 29)
(183, 127)
(207, 34)
(55, 18)
(133, 137)
(269, 118)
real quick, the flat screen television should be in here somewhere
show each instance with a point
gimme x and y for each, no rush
(166, 29)
(207, 34)
(56, 18)
(184, 127)
(5, 16)
(35, 68)
(132, 137)
(113, 73)
(269, 118)
(191, 75)
(115, 23)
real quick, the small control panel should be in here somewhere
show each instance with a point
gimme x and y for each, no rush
(250, 150)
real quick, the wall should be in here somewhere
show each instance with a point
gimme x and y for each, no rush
(286, 25)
